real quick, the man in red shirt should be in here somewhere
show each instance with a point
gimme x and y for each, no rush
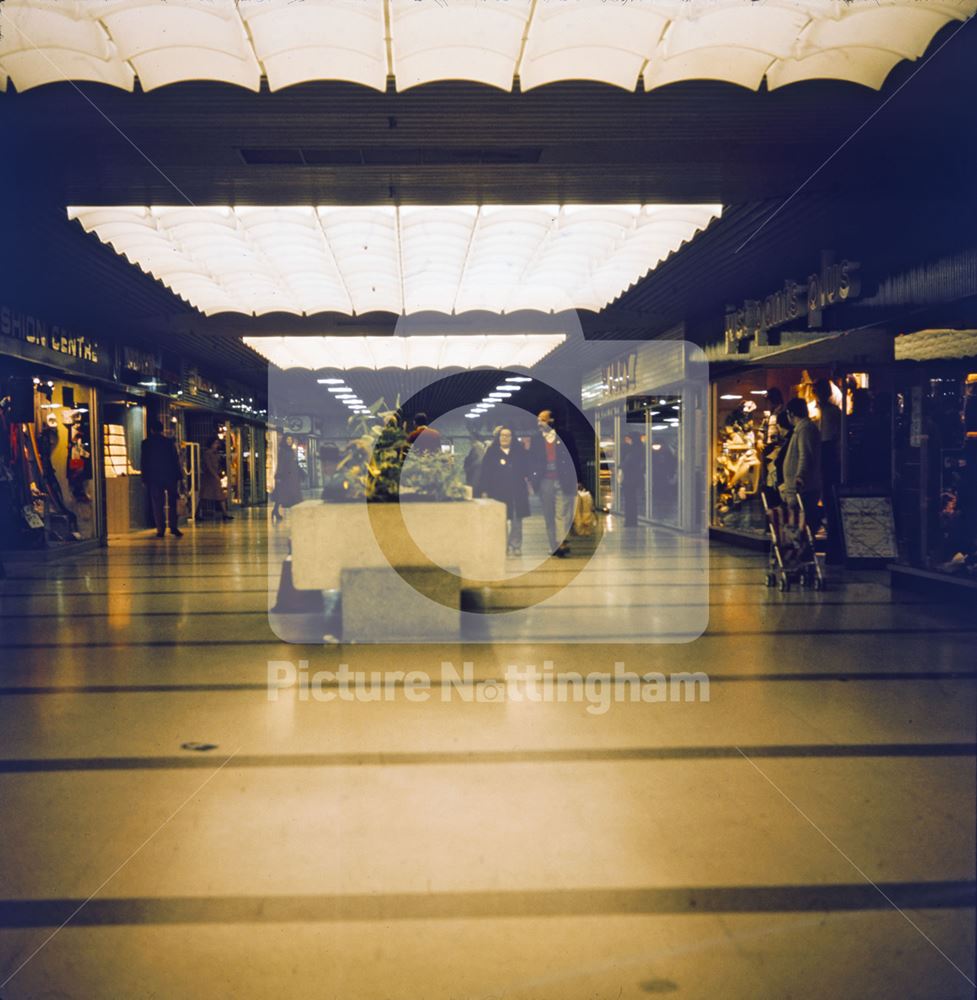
(554, 482)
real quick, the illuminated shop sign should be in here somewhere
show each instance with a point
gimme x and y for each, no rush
(835, 283)
(47, 338)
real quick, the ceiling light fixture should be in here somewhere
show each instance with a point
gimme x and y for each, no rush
(370, 40)
(452, 351)
(442, 258)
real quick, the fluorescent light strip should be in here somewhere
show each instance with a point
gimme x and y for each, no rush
(452, 351)
(441, 258)
(490, 43)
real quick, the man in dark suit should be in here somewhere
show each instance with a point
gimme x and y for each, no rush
(161, 473)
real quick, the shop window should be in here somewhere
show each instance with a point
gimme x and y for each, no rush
(46, 455)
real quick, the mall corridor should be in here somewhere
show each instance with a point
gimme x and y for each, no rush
(172, 829)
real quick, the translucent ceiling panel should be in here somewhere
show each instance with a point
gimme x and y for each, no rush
(442, 258)
(869, 67)
(364, 244)
(772, 27)
(432, 40)
(489, 41)
(434, 247)
(45, 42)
(453, 351)
(318, 40)
(182, 40)
(892, 27)
(591, 40)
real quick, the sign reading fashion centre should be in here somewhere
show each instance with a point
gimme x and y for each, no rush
(47, 337)
(836, 282)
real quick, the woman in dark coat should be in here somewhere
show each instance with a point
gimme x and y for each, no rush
(503, 477)
(288, 479)
(210, 478)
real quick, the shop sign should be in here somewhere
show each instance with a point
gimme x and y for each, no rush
(835, 283)
(619, 376)
(134, 361)
(51, 343)
(198, 385)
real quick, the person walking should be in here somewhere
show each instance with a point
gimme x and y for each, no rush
(424, 439)
(830, 430)
(473, 460)
(502, 477)
(161, 473)
(802, 467)
(288, 478)
(211, 489)
(554, 482)
(632, 477)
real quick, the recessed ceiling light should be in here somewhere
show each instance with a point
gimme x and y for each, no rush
(518, 378)
(508, 388)
(339, 388)
(730, 395)
(499, 395)
(330, 381)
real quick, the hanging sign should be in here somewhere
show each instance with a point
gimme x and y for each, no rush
(835, 283)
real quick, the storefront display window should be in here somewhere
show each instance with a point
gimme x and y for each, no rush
(47, 463)
(936, 464)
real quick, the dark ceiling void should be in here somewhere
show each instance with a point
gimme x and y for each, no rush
(385, 156)
(450, 143)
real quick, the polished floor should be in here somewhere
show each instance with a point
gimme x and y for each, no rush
(172, 830)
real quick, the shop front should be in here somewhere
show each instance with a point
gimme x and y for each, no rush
(935, 459)
(897, 448)
(51, 479)
(649, 417)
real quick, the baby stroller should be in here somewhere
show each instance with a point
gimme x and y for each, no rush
(796, 560)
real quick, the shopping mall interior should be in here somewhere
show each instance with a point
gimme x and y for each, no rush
(488, 499)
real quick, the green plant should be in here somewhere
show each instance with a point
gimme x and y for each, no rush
(378, 466)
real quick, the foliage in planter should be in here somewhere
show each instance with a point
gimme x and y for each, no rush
(374, 462)
(432, 475)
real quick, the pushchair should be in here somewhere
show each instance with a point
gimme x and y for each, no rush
(795, 563)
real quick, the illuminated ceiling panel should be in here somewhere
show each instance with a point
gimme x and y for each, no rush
(420, 41)
(453, 351)
(442, 258)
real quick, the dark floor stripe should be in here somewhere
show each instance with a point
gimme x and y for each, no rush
(152, 911)
(232, 686)
(108, 613)
(424, 758)
(658, 637)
